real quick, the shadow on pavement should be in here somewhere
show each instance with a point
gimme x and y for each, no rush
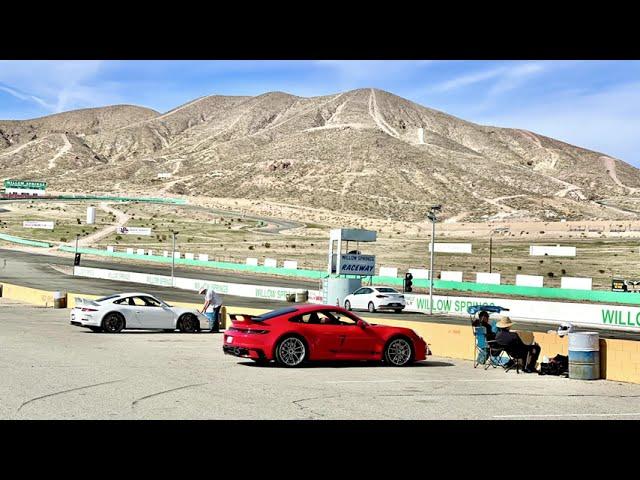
(346, 364)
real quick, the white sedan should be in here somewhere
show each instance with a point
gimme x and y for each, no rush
(117, 312)
(375, 298)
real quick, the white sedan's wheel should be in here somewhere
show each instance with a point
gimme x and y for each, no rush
(398, 352)
(347, 305)
(372, 307)
(291, 352)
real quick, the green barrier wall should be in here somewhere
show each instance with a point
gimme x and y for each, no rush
(172, 201)
(24, 241)
(221, 265)
(175, 201)
(599, 296)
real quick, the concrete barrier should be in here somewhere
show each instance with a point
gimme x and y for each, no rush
(203, 257)
(451, 247)
(33, 296)
(529, 280)
(189, 256)
(110, 248)
(490, 278)
(140, 251)
(576, 283)
(270, 262)
(452, 276)
(130, 251)
(552, 251)
(252, 262)
(419, 273)
(388, 272)
(290, 264)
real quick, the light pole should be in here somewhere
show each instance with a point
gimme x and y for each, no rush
(173, 256)
(432, 216)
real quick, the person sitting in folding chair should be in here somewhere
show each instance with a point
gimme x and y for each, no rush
(515, 347)
(484, 322)
(486, 354)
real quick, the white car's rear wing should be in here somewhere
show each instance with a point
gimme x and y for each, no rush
(84, 302)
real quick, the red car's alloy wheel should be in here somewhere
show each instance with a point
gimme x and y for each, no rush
(398, 352)
(291, 352)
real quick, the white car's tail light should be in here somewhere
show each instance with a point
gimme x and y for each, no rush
(381, 296)
(89, 309)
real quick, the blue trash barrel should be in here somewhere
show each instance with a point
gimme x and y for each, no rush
(584, 355)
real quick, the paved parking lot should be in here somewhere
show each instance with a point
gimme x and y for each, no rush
(52, 370)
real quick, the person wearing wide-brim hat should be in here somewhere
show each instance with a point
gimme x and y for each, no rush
(504, 322)
(514, 345)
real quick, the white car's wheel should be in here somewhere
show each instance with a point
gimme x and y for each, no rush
(188, 323)
(347, 305)
(372, 307)
(113, 323)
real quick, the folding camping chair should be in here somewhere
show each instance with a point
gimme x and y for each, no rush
(487, 352)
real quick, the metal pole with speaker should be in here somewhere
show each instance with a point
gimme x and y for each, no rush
(173, 258)
(432, 216)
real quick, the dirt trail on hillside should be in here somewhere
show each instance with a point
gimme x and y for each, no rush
(64, 149)
(121, 220)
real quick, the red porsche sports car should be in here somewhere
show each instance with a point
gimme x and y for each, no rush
(296, 334)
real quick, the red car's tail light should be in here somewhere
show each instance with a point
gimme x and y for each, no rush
(247, 330)
(89, 309)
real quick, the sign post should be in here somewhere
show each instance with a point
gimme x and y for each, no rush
(76, 257)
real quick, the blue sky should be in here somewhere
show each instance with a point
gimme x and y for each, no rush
(594, 104)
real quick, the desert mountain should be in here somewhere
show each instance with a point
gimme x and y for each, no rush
(365, 151)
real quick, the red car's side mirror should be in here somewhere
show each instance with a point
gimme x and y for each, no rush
(362, 324)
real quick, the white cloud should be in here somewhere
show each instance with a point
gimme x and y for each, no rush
(53, 84)
(25, 97)
(606, 121)
(508, 78)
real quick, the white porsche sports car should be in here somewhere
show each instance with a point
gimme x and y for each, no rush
(117, 312)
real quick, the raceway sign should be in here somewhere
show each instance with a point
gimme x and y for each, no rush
(133, 231)
(36, 224)
(351, 264)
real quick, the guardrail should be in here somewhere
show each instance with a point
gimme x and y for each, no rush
(24, 241)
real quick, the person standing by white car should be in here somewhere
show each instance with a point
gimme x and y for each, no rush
(211, 308)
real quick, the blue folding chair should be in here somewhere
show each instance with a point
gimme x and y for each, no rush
(486, 353)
